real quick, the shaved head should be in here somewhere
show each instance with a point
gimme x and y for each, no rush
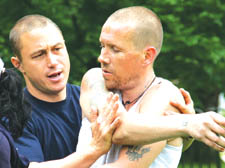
(27, 24)
(147, 28)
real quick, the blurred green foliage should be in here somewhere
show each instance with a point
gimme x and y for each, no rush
(193, 53)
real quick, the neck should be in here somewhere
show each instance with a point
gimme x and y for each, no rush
(47, 96)
(131, 96)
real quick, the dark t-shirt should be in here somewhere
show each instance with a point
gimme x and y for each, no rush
(4, 151)
(9, 157)
(52, 133)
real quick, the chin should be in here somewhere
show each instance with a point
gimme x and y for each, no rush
(111, 85)
(59, 88)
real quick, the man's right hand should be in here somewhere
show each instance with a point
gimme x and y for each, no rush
(104, 123)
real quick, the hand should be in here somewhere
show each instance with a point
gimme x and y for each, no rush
(206, 127)
(104, 124)
(188, 108)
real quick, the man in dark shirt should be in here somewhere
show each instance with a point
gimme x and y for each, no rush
(41, 56)
(52, 132)
(53, 129)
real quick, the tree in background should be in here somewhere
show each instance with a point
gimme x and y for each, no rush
(193, 53)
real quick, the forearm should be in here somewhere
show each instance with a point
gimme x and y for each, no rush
(149, 130)
(82, 159)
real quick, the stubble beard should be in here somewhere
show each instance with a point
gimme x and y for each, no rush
(116, 85)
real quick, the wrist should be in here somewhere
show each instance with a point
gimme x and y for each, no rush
(93, 152)
(184, 126)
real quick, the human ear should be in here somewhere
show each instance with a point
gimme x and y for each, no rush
(17, 63)
(150, 55)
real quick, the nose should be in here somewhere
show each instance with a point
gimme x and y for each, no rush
(104, 57)
(51, 60)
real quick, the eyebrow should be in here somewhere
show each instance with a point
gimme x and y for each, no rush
(40, 50)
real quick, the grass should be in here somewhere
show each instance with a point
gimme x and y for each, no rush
(197, 165)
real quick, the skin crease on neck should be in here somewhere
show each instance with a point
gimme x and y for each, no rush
(45, 63)
(124, 67)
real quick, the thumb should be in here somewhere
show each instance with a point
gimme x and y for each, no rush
(94, 114)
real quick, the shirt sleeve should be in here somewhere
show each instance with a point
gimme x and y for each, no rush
(29, 146)
(4, 152)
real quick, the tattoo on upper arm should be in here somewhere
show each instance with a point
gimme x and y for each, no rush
(136, 152)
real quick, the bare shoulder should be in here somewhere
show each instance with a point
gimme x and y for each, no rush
(93, 90)
(169, 89)
(159, 96)
(93, 74)
(93, 71)
(91, 78)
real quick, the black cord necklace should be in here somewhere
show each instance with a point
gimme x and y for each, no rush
(130, 102)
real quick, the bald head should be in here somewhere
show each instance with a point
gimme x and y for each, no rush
(147, 28)
(27, 24)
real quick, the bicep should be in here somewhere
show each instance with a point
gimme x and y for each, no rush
(137, 156)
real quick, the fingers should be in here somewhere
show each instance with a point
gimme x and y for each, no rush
(207, 128)
(219, 119)
(116, 123)
(105, 125)
(188, 107)
(109, 113)
(94, 114)
(213, 145)
(111, 106)
(217, 142)
(109, 97)
(219, 127)
(113, 113)
(183, 109)
(187, 97)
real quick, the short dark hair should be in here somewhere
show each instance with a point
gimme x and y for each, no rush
(26, 24)
(147, 25)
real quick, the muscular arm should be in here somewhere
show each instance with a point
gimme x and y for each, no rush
(203, 127)
(93, 91)
(152, 105)
(137, 156)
